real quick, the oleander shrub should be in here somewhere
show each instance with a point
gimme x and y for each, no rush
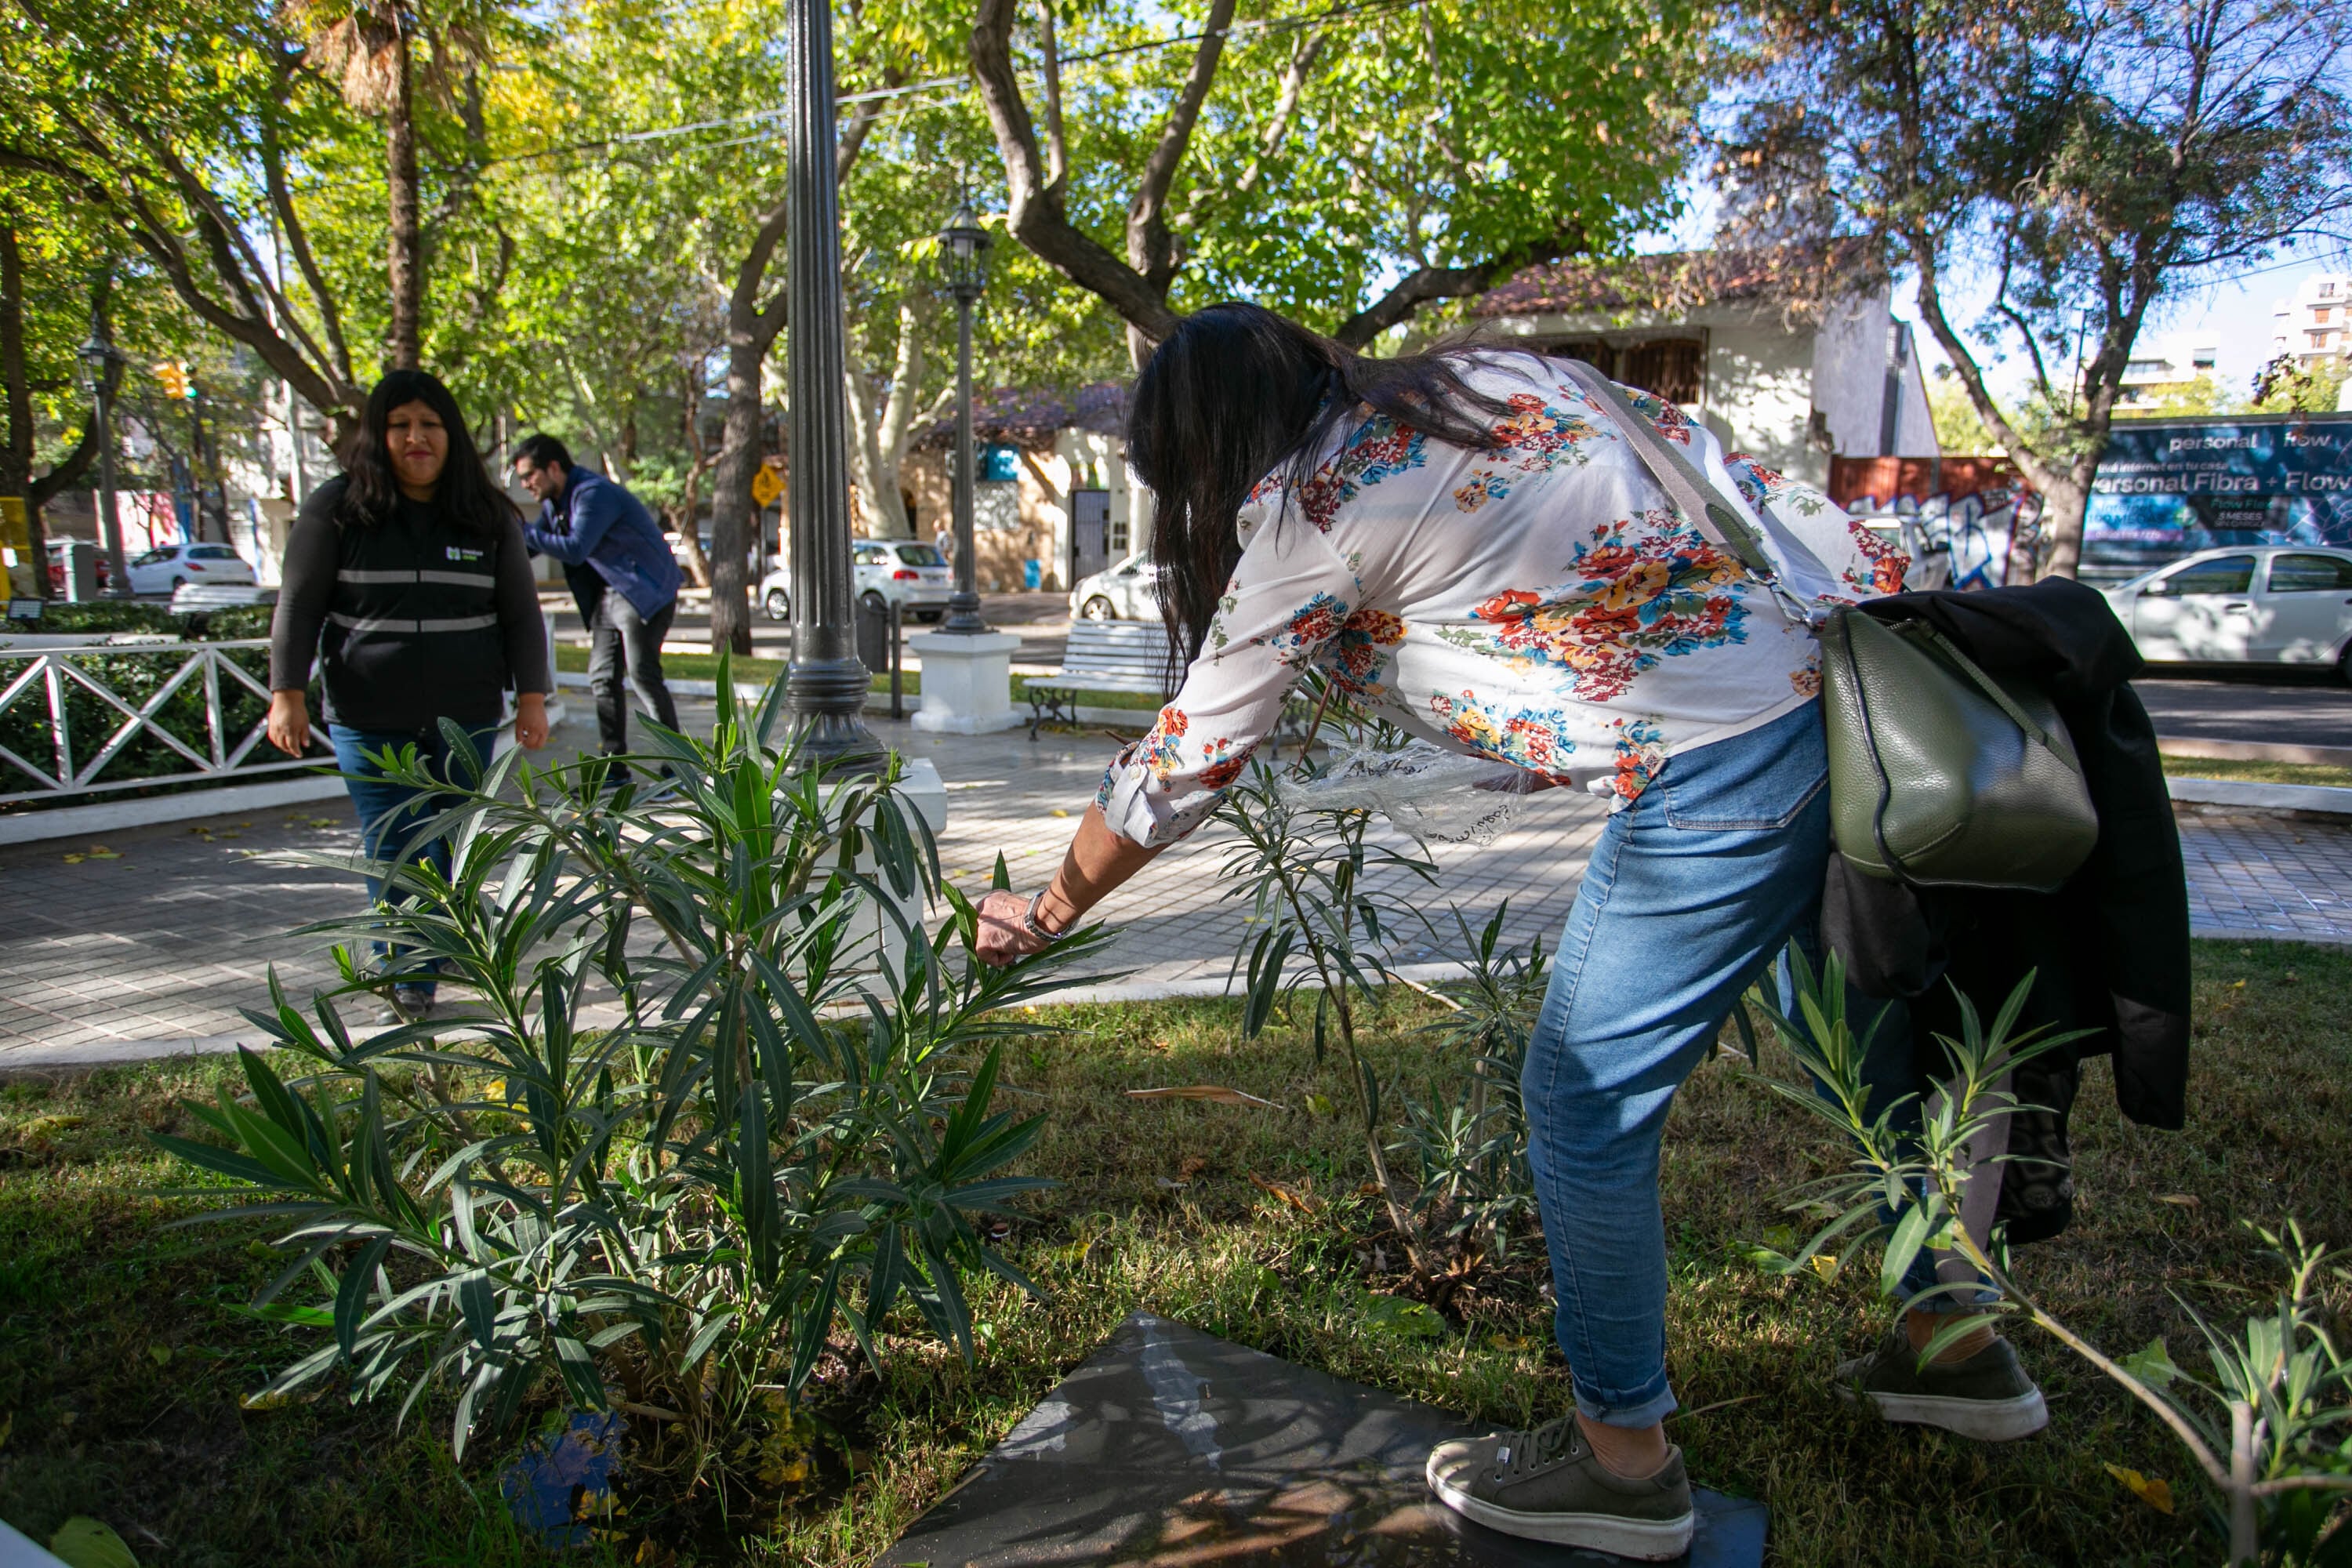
(787, 1140)
(2265, 1419)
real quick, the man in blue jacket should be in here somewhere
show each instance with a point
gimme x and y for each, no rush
(586, 517)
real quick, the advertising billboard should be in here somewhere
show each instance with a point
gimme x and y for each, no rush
(2166, 487)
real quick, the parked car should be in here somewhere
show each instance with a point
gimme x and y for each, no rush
(885, 572)
(1120, 592)
(164, 569)
(2244, 604)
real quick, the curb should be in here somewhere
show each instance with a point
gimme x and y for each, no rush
(92, 1055)
(2269, 799)
(113, 816)
(2254, 751)
(2258, 933)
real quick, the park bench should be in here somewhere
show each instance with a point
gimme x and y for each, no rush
(1125, 655)
(1102, 656)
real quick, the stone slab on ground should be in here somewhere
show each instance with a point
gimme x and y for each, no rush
(1169, 1446)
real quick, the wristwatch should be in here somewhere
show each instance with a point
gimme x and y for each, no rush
(1034, 926)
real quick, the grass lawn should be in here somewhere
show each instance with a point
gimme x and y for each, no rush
(2322, 774)
(705, 666)
(123, 1355)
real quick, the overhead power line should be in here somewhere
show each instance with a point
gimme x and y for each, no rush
(941, 83)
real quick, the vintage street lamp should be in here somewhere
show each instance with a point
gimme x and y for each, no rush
(967, 668)
(825, 686)
(102, 361)
(964, 257)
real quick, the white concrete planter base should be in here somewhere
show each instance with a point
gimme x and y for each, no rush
(967, 682)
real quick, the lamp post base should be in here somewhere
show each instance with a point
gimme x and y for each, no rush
(825, 698)
(967, 682)
(963, 616)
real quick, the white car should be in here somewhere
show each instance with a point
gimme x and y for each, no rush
(903, 572)
(1121, 592)
(163, 569)
(2244, 604)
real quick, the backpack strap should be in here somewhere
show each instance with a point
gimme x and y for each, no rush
(1694, 501)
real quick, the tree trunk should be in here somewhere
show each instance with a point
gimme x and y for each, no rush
(2060, 551)
(751, 329)
(879, 437)
(405, 263)
(881, 509)
(16, 452)
(15, 386)
(733, 513)
(683, 521)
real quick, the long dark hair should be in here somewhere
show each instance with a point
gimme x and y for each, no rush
(1234, 393)
(464, 492)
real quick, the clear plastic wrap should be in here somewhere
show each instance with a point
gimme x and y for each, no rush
(1435, 794)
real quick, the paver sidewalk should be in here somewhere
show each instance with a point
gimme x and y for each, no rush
(153, 950)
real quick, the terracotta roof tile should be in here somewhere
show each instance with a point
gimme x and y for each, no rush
(1680, 281)
(1030, 418)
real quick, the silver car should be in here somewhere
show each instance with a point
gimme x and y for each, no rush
(2244, 604)
(885, 571)
(1120, 592)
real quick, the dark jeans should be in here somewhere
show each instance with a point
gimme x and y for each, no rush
(626, 646)
(392, 815)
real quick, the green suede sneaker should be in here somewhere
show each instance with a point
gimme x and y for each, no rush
(1988, 1396)
(1548, 1485)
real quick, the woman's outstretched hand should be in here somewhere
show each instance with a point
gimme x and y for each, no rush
(1003, 935)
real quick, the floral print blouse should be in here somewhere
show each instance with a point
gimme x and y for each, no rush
(1536, 603)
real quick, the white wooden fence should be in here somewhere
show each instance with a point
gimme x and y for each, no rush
(76, 766)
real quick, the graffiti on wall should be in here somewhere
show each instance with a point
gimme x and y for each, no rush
(1974, 512)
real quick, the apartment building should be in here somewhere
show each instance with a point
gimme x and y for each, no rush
(2315, 324)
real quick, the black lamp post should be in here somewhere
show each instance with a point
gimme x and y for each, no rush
(963, 257)
(102, 360)
(825, 686)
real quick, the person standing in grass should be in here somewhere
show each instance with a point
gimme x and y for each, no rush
(406, 579)
(1463, 543)
(587, 519)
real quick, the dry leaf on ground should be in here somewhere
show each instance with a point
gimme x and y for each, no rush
(2153, 1490)
(1216, 1093)
(1304, 1205)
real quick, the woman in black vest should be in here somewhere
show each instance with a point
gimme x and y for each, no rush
(406, 576)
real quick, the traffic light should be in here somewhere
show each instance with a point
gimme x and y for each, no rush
(177, 382)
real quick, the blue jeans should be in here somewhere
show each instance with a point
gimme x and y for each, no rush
(1690, 893)
(391, 814)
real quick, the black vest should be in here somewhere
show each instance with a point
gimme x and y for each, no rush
(412, 634)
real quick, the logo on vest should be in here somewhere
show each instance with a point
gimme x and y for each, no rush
(459, 553)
